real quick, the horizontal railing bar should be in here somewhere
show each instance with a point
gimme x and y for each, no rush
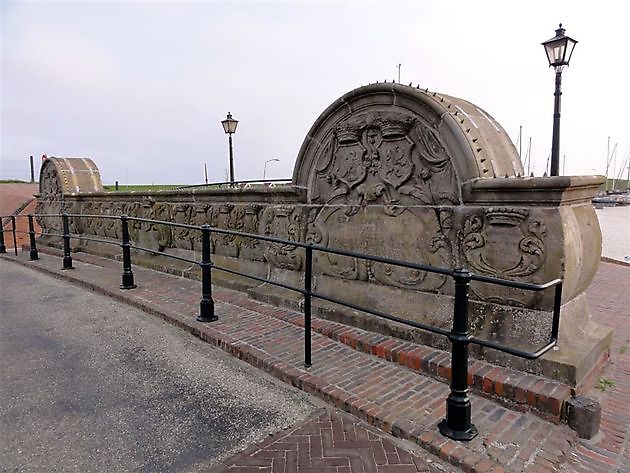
(231, 183)
(273, 283)
(161, 222)
(378, 313)
(382, 259)
(51, 234)
(513, 351)
(515, 284)
(111, 217)
(156, 252)
(97, 240)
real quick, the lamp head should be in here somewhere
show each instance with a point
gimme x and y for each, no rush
(559, 48)
(229, 124)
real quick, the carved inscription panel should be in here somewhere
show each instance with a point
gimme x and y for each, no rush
(411, 234)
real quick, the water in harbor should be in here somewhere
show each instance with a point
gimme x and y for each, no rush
(615, 225)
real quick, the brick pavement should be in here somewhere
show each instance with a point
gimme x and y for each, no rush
(17, 199)
(21, 226)
(388, 395)
(331, 442)
(609, 451)
(14, 195)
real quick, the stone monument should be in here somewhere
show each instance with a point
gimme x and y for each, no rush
(401, 172)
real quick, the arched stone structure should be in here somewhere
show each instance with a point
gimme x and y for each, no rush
(402, 172)
(420, 146)
(68, 176)
(59, 180)
(395, 171)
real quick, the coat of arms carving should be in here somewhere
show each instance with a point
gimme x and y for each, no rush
(385, 158)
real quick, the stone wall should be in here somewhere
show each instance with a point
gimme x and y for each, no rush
(400, 172)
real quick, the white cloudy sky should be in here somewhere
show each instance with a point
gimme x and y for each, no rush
(141, 87)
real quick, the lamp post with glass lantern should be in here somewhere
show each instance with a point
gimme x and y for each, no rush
(559, 50)
(229, 126)
(265, 166)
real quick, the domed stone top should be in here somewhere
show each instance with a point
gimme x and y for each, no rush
(68, 176)
(395, 144)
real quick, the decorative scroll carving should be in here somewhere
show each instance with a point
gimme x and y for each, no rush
(164, 236)
(199, 216)
(250, 248)
(384, 158)
(225, 244)
(286, 222)
(151, 235)
(506, 243)
(49, 201)
(50, 187)
(182, 237)
(109, 226)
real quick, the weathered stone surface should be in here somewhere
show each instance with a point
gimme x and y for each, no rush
(584, 416)
(398, 172)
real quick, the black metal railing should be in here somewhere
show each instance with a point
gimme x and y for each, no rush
(457, 423)
(261, 182)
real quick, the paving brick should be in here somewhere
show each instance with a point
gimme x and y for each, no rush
(390, 395)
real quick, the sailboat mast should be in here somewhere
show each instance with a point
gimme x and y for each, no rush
(529, 157)
(613, 156)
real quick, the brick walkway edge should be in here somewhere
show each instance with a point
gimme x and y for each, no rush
(385, 391)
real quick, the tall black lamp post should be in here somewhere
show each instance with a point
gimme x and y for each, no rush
(559, 50)
(229, 126)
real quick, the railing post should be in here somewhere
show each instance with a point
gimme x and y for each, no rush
(457, 423)
(206, 306)
(14, 237)
(557, 302)
(3, 248)
(127, 276)
(308, 278)
(31, 233)
(67, 258)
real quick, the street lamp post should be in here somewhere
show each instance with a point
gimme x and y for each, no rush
(229, 126)
(265, 166)
(559, 50)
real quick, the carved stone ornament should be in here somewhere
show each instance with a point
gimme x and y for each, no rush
(384, 158)
(50, 186)
(370, 231)
(250, 248)
(285, 222)
(506, 243)
(226, 244)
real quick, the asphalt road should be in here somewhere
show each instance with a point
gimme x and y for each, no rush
(92, 385)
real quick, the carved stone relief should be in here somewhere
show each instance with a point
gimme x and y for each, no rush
(384, 158)
(410, 234)
(506, 243)
(286, 222)
(50, 186)
(199, 217)
(250, 248)
(182, 237)
(225, 244)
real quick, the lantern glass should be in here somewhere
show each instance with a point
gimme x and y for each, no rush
(229, 124)
(559, 48)
(569, 49)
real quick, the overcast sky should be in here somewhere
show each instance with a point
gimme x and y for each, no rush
(141, 87)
